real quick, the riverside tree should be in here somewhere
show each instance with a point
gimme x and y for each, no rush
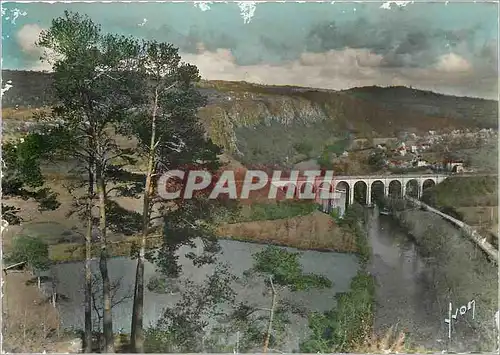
(92, 90)
(280, 270)
(170, 136)
(183, 327)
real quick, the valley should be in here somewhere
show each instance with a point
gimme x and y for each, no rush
(376, 264)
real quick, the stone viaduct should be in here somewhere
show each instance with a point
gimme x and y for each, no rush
(402, 183)
(399, 184)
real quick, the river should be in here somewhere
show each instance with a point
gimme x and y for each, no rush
(405, 297)
(339, 268)
(405, 294)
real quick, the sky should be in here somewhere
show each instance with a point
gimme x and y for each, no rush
(447, 47)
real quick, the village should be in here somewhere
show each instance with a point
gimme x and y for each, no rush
(433, 152)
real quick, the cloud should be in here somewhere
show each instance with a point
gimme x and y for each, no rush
(26, 38)
(349, 67)
(387, 58)
(452, 63)
(402, 43)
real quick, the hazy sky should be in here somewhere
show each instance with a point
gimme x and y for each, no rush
(450, 48)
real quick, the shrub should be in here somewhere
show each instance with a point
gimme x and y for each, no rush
(303, 148)
(33, 250)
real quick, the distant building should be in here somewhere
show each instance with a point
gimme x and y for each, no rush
(337, 203)
(455, 166)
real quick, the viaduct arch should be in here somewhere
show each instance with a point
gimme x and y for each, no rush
(412, 185)
(406, 184)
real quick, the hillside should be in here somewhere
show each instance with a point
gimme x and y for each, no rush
(264, 124)
(483, 112)
(473, 200)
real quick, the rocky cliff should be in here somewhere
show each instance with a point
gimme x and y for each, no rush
(264, 124)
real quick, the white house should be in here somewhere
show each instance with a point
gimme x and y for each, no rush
(338, 202)
(455, 166)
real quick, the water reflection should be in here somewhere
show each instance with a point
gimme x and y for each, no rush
(405, 294)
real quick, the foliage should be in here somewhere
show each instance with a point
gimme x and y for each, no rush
(183, 326)
(329, 151)
(94, 92)
(272, 211)
(351, 222)
(335, 214)
(288, 145)
(250, 322)
(461, 192)
(338, 147)
(352, 215)
(325, 160)
(285, 269)
(451, 211)
(348, 324)
(161, 284)
(461, 271)
(249, 319)
(377, 160)
(303, 148)
(119, 294)
(21, 174)
(32, 250)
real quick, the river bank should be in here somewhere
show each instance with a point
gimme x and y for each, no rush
(458, 273)
(348, 327)
(340, 268)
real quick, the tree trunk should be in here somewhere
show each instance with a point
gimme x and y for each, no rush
(107, 317)
(88, 270)
(137, 328)
(271, 317)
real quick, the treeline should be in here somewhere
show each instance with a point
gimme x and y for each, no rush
(30, 89)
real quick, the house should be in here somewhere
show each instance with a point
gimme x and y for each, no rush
(318, 188)
(337, 203)
(421, 163)
(414, 149)
(456, 166)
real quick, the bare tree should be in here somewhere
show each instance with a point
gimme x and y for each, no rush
(118, 296)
